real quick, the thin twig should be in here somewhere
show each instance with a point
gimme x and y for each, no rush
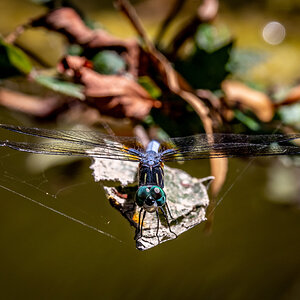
(129, 11)
(11, 38)
(169, 18)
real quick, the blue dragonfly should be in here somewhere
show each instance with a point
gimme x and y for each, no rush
(150, 195)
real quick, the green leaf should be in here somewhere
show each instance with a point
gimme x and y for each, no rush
(206, 70)
(75, 50)
(148, 84)
(206, 66)
(13, 61)
(247, 121)
(211, 38)
(63, 87)
(290, 115)
(108, 62)
(243, 60)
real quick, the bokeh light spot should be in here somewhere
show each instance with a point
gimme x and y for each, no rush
(273, 33)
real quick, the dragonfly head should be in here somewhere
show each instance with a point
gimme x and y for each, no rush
(150, 197)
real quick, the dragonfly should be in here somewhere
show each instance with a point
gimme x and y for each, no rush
(150, 195)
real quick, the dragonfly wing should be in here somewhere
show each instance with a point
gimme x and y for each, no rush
(70, 149)
(73, 142)
(229, 145)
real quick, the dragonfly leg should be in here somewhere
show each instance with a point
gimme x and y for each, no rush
(166, 217)
(141, 230)
(139, 225)
(168, 209)
(157, 229)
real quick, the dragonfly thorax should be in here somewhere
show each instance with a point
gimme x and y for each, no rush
(151, 159)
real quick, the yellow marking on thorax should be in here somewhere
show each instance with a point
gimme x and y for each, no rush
(157, 180)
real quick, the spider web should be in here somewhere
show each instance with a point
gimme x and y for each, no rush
(39, 190)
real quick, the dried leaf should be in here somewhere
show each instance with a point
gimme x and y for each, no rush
(68, 22)
(36, 106)
(237, 93)
(187, 199)
(114, 95)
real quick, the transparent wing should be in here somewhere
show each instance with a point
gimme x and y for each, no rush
(229, 145)
(78, 143)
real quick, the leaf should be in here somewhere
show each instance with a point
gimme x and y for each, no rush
(29, 104)
(114, 95)
(148, 84)
(13, 61)
(291, 96)
(206, 70)
(290, 115)
(63, 87)
(70, 23)
(246, 120)
(187, 199)
(239, 94)
(243, 60)
(108, 62)
(75, 50)
(211, 38)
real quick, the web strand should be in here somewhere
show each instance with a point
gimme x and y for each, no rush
(60, 213)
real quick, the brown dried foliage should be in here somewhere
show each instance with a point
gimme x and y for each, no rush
(120, 95)
(238, 94)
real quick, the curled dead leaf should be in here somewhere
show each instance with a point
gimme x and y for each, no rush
(69, 23)
(237, 93)
(114, 95)
(66, 21)
(28, 104)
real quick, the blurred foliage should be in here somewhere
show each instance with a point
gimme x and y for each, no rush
(13, 61)
(108, 62)
(209, 57)
(150, 86)
(241, 61)
(75, 49)
(248, 121)
(206, 67)
(290, 115)
(62, 87)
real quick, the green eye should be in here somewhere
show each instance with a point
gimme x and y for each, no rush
(141, 195)
(159, 195)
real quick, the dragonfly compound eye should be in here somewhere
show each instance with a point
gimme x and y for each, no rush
(159, 195)
(141, 195)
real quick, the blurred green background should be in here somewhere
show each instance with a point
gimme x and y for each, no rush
(253, 251)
